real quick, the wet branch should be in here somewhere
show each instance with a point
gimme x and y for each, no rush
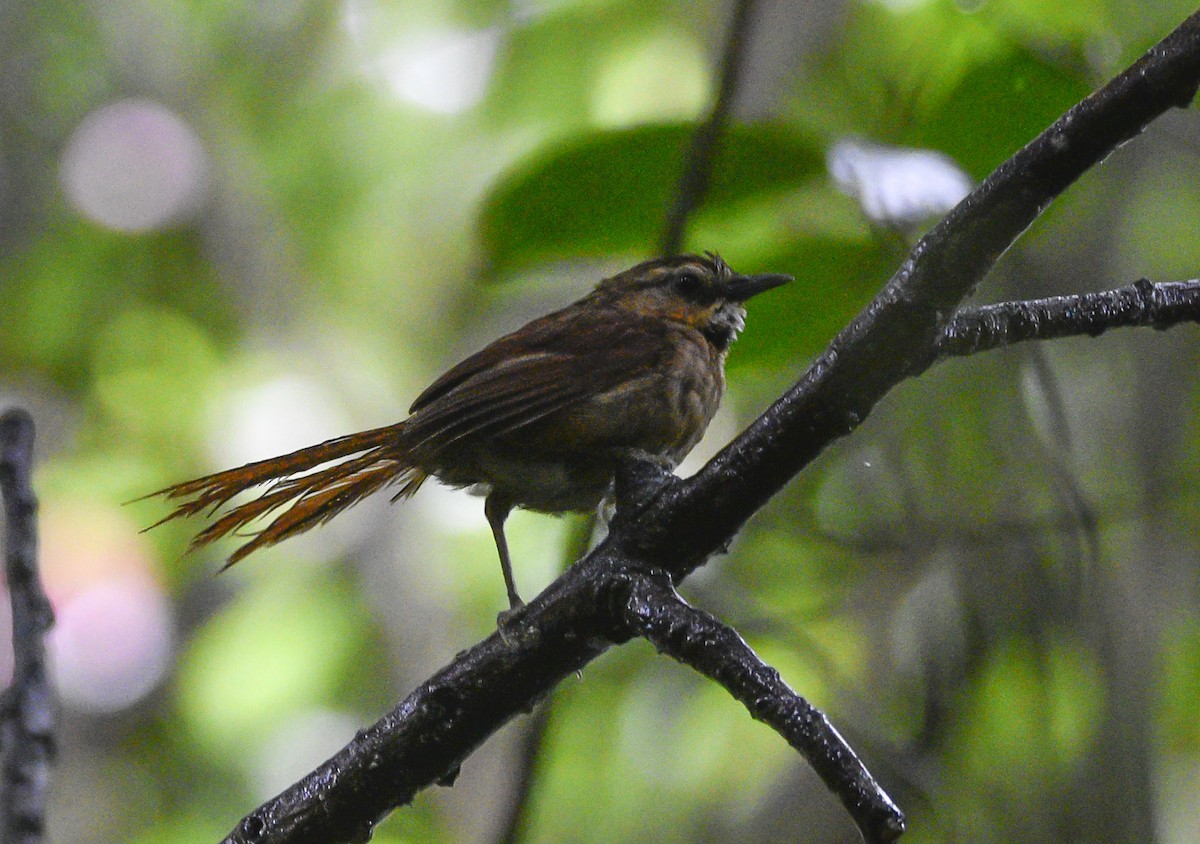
(1139, 304)
(893, 338)
(656, 612)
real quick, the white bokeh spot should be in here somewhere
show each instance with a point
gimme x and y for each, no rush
(445, 73)
(897, 186)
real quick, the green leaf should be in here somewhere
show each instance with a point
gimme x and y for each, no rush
(1064, 22)
(608, 193)
(891, 67)
(555, 71)
(997, 108)
(835, 278)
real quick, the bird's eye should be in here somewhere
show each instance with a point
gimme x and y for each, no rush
(689, 284)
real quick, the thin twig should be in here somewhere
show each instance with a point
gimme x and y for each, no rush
(528, 758)
(697, 639)
(515, 821)
(698, 164)
(690, 193)
(1084, 314)
(28, 704)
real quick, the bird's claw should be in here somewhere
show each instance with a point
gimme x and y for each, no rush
(640, 475)
(508, 622)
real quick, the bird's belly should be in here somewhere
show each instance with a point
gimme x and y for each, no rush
(571, 484)
(565, 461)
(549, 485)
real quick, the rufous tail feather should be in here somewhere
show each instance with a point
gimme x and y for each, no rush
(366, 462)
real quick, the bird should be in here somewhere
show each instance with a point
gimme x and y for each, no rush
(538, 419)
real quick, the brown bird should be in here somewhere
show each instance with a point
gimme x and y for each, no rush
(538, 419)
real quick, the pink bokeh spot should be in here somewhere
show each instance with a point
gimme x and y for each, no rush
(134, 166)
(112, 644)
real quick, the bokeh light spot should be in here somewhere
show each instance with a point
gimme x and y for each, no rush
(659, 78)
(134, 166)
(113, 641)
(897, 186)
(112, 644)
(446, 73)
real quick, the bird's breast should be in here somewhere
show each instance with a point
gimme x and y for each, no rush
(662, 409)
(565, 461)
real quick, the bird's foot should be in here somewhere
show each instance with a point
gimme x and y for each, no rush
(508, 622)
(640, 477)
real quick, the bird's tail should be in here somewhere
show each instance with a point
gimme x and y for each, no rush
(360, 464)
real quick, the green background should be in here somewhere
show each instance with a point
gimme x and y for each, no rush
(992, 588)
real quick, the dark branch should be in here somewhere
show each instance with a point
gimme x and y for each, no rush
(893, 337)
(423, 740)
(1139, 304)
(674, 526)
(697, 167)
(656, 612)
(28, 704)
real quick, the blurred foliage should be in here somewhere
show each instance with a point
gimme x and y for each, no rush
(628, 178)
(991, 587)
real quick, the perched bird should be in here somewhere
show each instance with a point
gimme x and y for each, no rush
(538, 419)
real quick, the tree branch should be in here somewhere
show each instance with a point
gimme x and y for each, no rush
(892, 338)
(1139, 304)
(27, 731)
(526, 764)
(656, 612)
(669, 526)
(423, 740)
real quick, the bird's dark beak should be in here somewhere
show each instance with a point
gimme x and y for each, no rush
(742, 287)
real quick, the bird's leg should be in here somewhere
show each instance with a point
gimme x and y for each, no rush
(496, 507)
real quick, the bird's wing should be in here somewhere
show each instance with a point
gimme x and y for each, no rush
(549, 366)
(550, 333)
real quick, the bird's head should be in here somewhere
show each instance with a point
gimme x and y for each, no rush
(699, 291)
